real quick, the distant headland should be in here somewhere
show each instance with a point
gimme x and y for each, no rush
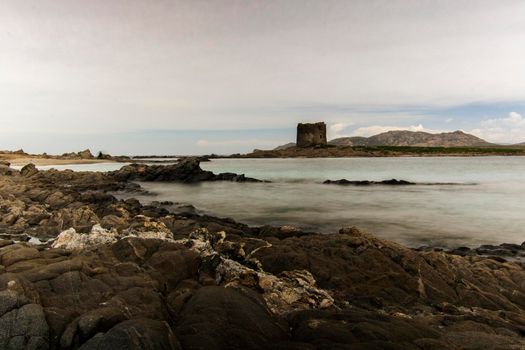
(312, 142)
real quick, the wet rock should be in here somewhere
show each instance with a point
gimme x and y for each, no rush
(392, 182)
(186, 170)
(462, 251)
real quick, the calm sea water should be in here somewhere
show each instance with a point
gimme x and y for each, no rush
(486, 204)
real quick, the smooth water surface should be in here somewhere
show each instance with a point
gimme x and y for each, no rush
(486, 203)
(109, 166)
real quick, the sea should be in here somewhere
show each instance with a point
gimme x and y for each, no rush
(457, 201)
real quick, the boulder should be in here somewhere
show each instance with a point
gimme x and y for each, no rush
(24, 328)
(227, 318)
(29, 170)
(138, 334)
(186, 170)
(85, 154)
(71, 240)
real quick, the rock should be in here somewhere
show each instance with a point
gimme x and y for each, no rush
(226, 318)
(17, 253)
(24, 328)
(5, 242)
(4, 163)
(71, 240)
(104, 156)
(136, 334)
(146, 273)
(85, 154)
(6, 170)
(99, 320)
(186, 170)
(29, 170)
(367, 182)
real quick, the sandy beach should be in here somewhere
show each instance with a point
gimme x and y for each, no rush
(21, 158)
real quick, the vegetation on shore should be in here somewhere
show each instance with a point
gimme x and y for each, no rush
(446, 150)
(382, 151)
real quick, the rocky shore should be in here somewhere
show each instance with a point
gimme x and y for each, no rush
(80, 269)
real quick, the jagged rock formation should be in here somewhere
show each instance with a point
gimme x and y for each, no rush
(85, 154)
(415, 139)
(186, 170)
(309, 135)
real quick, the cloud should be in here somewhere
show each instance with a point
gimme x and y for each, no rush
(378, 129)
(247, 142)
(78, 65)
(510, 129)
(336, 130)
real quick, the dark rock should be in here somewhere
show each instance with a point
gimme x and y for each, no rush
(135, 334)
(24, 328)
(368, 183)
(226, 318)
(462, 251)
(186, 170)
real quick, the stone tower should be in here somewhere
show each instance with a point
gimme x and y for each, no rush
(309, 135)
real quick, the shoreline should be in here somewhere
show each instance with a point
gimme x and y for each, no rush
(114, 270)
(51, 161)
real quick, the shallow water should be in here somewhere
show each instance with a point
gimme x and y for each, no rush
(487, 204)
(110, 166)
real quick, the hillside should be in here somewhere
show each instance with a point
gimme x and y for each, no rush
(414, 139)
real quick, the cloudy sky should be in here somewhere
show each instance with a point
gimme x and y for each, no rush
(195, 76)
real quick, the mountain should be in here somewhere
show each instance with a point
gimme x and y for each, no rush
(413, 138)
(282, 147)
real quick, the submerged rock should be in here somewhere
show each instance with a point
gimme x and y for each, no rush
(367, 182)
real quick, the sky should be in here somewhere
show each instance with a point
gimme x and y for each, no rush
(226, 76)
